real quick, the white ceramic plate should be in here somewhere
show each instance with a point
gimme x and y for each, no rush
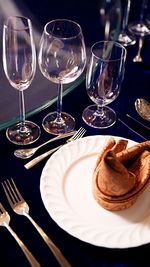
(66, 193)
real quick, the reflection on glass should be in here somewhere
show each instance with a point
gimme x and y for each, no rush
(19, 61)
(105, 73)
(62, 59)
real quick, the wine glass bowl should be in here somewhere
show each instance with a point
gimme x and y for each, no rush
(140, 27)
(104, 75)
(19, 62)
(62, 59)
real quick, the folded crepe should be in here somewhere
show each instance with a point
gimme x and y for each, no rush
(121, 173)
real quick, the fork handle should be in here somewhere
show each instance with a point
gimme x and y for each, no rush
(33, 262)
(34, 161)
(55, 250)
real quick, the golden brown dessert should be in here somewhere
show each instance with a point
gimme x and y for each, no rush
(121, 174)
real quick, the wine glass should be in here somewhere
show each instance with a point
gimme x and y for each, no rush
(140, 27)
(19, 62)
(104, 75)
(62, 59)
(125, 37)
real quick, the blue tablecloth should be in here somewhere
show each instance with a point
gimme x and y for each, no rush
(80, 254)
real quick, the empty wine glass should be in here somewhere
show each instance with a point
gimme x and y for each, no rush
(62, 59)
(140, 27)
(125, 37)
(19, 61)
(104, 75)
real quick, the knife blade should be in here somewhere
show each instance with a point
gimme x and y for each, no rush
(134, 127)
(138, 122)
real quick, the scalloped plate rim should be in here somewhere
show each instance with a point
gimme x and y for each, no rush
(130, 235)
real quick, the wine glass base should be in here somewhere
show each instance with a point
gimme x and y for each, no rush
(52, 126)
(26, 137)
(126, 39)
(93, 119)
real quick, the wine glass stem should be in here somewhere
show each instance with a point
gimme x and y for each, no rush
(100, 112)
(143, 7)
(22, 111)
(126, 15)
(59, 103)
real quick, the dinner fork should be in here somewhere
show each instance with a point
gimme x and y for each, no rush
(34, 161)
(4, 221)
(20, 206)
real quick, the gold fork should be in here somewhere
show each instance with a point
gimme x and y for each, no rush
(34, 161)
(20, 206)
(4, 221)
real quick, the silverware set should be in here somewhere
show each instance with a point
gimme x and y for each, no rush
(20, 206)
(29, 152)
(4, 221)
(78, 134)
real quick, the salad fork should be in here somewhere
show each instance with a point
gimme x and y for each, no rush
(20, 206)
(4, 221)
(34, 161)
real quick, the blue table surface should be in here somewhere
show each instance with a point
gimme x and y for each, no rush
(80, 254)
(136, 84)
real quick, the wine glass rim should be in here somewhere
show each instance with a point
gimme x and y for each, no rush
(123, 55)
(65, 20)
(18, 17)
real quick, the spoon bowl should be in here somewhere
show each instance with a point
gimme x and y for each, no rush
(142, 106)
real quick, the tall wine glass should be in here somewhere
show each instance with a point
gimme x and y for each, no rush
(125, 37)
(104, 75)
(19, 61)
(62, 59)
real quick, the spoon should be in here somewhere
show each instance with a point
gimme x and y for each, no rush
(29, 152)
(142, 106)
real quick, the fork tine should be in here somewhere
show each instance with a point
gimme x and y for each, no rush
(16, 189)
(7, 194)
(34, 161)
(79, 133)
(1, 208)
(76, 134)
(10, 192)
